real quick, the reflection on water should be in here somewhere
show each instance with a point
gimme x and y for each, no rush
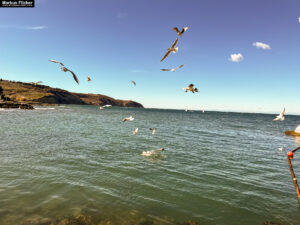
(297, 141)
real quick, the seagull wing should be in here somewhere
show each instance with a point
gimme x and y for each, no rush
(180, 66)
(165, 69)
(175, 43)
(282, 113)
(184, 29)
(191, 85)
(74, 76)
(166, 55)
(133, 82)
(54, 61)
(177, 31)
(156, 151)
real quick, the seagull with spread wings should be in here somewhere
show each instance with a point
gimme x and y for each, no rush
(179, 33)
(190, 88)
(173, 49)
(64, 69)
(130, 118)
(173, 69)
(280, 116)
(36, 83)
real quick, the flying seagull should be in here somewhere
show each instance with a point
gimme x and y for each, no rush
(64, 69)
(190, 88)
(88, 78)
(179, 33)
(280, 116)
(152, 152)
(153, 130)
(133, 82)
(173, 49)
(130, 118)
(135, 131)
(36, 83)
(173, 69)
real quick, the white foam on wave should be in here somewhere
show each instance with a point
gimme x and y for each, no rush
(43, 108)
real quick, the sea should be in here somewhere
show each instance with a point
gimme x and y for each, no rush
(217, 168)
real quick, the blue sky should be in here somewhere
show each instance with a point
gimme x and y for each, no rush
(115, 41)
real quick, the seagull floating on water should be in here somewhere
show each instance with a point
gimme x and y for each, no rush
(133, 82)
(64, 69)
(173, 49)
(107, 106)
(173, 69)
(190, 88)
(88, 78)
(36, 83)
(153, 130)
(130, 118)
(179, 33)
(135, 131)
(152, 152)
(280, 116)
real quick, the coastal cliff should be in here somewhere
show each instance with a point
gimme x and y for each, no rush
(41, 94)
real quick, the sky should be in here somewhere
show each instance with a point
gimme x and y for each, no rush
(241, 55)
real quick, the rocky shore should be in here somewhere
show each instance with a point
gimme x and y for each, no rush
(41, 94)
(15, 105)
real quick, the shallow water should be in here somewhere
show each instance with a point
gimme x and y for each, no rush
(217, 168)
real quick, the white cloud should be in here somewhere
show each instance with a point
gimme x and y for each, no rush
(35, 28)
(236, 57)
(24, 27)
(262, 45)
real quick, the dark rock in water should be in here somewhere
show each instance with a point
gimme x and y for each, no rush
(37, 220)
(146, 222)
(189, 223)
(79, 220)
(15, 105)
(25, 106)
(270, 223)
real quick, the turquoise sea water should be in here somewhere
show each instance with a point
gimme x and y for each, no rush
(217, 168)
